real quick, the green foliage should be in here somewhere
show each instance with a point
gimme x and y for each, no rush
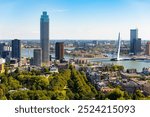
(18, 95)
(138, 95)
(127, 96)
(13, 84)
(4, 79)
(100, 96)
(34, 82)
(57, 83)
(4, 88)
(117, 94)
(17, 71)
(46, 70)
(117, 68)
(1, 93)
(113, 68)
(38, 95)
(69, 94)
(68, 84)
(80, 86)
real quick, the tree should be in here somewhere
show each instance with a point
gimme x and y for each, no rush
(138, 95)
(100, 96)
(17, 71)
(13, 84)
(18, 95)
(4, 88)
(38, 95)
(81, 87)
(1, 93)
(127, 96)
(116, 94)
(69, 94)
(2, 96)
(117, 67)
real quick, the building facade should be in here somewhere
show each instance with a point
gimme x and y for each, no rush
(44, 38)
(5, 50)
(135, 42)
(59, 51)
(16, 49)
(37, 60)
(1, 48)
(147, 51)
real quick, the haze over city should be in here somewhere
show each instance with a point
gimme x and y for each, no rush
(75, 19)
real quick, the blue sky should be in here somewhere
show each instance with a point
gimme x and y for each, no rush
(75, 19)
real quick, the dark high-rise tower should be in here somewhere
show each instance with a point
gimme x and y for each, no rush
(37, 57)
(147, 51)
(133, 38)
(59, 51)
(44, 37)
(135, 42)
(16, 49)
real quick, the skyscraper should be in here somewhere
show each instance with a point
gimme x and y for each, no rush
(147, 51)
(135, 42)
(37, 57)
(44, 37)
(59, 51)
(16, 49)
(1, 48)
(5, 50)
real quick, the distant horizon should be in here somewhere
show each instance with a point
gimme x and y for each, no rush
(75, 19)
(73, 39)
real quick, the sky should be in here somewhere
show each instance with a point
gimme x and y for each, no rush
(75, 19)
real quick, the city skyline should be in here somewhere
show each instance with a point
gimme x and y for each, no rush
(75, 19)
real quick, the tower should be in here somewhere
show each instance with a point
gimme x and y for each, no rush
(133, 38)
(16, 49)
(135, 42)
(44, 37)
(37, 57)
(59, 51)
(147, 52)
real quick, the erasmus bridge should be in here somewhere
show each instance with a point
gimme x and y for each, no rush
(118, 58)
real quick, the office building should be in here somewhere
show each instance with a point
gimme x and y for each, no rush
(59, 51)
(147, 51)
(1, 48)
(4, 48)
(135, 42)
(138, 46)
(44, 38)
(16, 49)
(37, 57)
(6, 54)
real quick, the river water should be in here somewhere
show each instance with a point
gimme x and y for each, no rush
(139, 64)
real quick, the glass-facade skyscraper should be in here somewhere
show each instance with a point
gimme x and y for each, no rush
(16, 49)
(44, 37)
(37, 57)
(133, 38)
(135, 42)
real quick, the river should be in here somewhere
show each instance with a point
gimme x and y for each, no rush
(139, 64)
